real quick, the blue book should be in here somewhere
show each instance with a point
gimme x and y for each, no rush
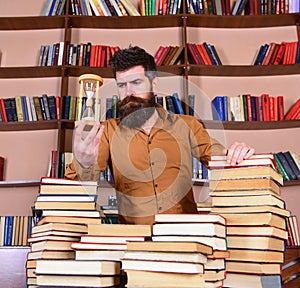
(204, 170)
(253, 108)
(25, 108)
(159, 100)
(225, 108)
(192, 104)
(8, 230)
(217, 108)
(261, 54)
(177, 104)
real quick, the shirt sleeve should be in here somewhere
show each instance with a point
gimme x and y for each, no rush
(203, 146)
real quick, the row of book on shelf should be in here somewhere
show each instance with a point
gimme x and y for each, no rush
(203, 54)
(59, 162)
(47, 107)
(82, 54)
(278, 53)
(29, 108)
(14, 230)
(164, 7)
(241, 239)
(247, 107)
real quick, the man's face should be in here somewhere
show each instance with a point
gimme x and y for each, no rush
(136, 96)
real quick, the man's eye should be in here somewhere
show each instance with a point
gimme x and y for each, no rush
(121, 85)
(137, 82)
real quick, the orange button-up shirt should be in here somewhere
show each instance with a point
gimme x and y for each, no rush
(152, 173)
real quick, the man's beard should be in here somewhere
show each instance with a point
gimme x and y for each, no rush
(135, 111)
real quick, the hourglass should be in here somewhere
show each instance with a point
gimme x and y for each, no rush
(89, 87)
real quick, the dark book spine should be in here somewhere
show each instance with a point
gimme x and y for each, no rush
(170, 104)
(292, 163)
(52, 107)
(286, 166)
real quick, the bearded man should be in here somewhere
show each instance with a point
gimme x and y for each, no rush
(148, 149)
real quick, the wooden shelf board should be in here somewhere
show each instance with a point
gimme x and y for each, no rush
(20, 183)
(125, 22)
(200, 182)
(32, 22)
(30, 72)
(292, 183)
(255, 125)
(242, 21)
(243, 70)
(28, 126)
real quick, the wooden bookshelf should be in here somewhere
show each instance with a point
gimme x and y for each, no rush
(291, 267)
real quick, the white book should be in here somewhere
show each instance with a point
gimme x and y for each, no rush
(33, 112)
(163, 266)
(60, 53)
(94, 8)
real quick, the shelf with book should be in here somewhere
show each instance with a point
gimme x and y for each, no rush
(255, 125)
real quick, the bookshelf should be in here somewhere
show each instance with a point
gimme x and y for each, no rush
(291, 267)
(243, 36)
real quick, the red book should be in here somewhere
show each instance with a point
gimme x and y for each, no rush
(280, 53)
(103, 56)
(158, 53)
(99, 51)
(249, 107)
(286, 55)
(257, 108)
(163, 55)
(195, 54)
(1, 168)
(3, 110)
(93, 55)
(265, 99)
(292, 111)
(297, 115)
(57, 102)
(204, 54)
(280, 104)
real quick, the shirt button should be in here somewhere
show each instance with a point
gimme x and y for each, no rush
(159, 208)
(149, 142)
(156, 185)
(152, 163)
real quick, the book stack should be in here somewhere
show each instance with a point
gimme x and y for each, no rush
(64, 200)
(200, 228)
(248, 196)
(165, 264)
(51, 241)
(62, 210)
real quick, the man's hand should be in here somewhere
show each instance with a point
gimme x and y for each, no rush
(237, 152)
(86, 150)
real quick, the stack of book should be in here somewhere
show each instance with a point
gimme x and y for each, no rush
(165, 264)
(64, 200)
(248, 196)
(62, 210)
(51, 241)
(202, 228)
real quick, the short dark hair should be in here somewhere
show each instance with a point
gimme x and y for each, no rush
(124, 59)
